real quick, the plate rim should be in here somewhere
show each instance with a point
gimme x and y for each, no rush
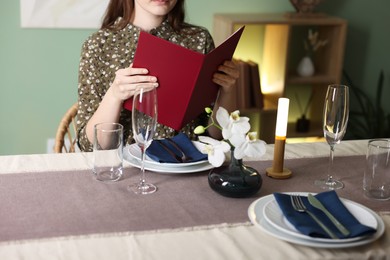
(327, 240)
(152, 162)
(168, 170)
(259, 222)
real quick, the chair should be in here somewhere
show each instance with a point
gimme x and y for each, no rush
(66, 133)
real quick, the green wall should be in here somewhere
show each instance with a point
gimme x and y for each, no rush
(38, 67)
(368, 40)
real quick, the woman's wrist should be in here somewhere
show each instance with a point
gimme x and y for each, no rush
(112, 99)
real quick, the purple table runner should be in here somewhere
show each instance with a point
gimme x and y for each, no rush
(53, 204)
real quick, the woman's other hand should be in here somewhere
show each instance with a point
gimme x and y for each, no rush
(226, 76)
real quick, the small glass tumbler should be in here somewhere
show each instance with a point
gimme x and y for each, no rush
(108, 151)
(376, 182)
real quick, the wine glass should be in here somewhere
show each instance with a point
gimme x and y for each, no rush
(335, 119)
(144, 122)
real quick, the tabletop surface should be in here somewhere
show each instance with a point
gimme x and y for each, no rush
(63, 213)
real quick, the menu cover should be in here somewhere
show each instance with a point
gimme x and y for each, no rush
(184, 76)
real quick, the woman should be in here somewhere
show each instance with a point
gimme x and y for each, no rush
(106, 75)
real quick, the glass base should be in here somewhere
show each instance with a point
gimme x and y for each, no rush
(329, 184)
(142, 188)
(377, 194)
(108, 175)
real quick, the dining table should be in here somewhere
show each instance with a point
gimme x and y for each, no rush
(52, 207)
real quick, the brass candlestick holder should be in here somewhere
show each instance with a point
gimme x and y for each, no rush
(277, 170)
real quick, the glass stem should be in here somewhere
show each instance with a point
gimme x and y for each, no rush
(142, 179)
(330, 167)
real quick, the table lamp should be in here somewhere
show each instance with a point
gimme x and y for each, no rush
(277, 171)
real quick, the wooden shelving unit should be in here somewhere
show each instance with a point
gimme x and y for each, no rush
(275, 42)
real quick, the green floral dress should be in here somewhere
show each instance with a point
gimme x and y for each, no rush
(106, 51)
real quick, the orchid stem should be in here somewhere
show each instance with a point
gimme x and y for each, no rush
(213, 122)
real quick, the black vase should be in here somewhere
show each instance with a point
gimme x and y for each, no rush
(235, 180)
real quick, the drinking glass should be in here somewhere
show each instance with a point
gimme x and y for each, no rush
(144, 122)
(107, 151)
(335, 119)
(376, 181)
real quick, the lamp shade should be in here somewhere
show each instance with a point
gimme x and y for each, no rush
(282, 117)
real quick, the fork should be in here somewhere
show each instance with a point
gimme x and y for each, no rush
(184, 157)
(170, 152)
(298, 205)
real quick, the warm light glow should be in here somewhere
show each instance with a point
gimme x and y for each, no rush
(267, 46)
(282, 117)
(273, 62)
(269, 86)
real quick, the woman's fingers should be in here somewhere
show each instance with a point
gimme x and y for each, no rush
(224, 80)
(133, 75)
(127, 81)
(227, 75)
(134, 79)
(229, 68)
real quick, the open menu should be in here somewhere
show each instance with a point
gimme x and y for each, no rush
(184, 76)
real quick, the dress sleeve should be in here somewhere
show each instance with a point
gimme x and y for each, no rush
(89, 96)
(209, 42)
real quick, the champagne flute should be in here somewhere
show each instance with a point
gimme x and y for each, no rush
(335, 119)
(144, 122)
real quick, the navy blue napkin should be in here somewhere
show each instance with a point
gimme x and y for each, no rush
(157, 153)
(306, 225)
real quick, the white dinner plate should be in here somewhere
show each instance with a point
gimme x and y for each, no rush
(160, 167)
(135, 152)
(274, 215)
(255, 213)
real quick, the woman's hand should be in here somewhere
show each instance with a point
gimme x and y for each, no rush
(128, 80)
(226, 76)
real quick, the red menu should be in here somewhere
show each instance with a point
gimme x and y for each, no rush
(184, 76)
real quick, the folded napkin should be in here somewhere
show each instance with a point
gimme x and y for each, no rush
(306, 225)
(158, 153)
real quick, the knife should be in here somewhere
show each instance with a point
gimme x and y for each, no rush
(317, 204)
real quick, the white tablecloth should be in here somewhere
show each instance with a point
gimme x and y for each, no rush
(236, 241)
(82, 161)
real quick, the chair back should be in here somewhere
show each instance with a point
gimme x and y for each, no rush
(66, 136)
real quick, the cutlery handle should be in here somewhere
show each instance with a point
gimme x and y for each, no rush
(170, 152)
(317, 204)
(184, 157)
(319, 222)
(339, 226)
(174, 145)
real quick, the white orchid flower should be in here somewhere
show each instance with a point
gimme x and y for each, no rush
(215, 150)
(232, 124)
(237, 139)
(251, 147)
